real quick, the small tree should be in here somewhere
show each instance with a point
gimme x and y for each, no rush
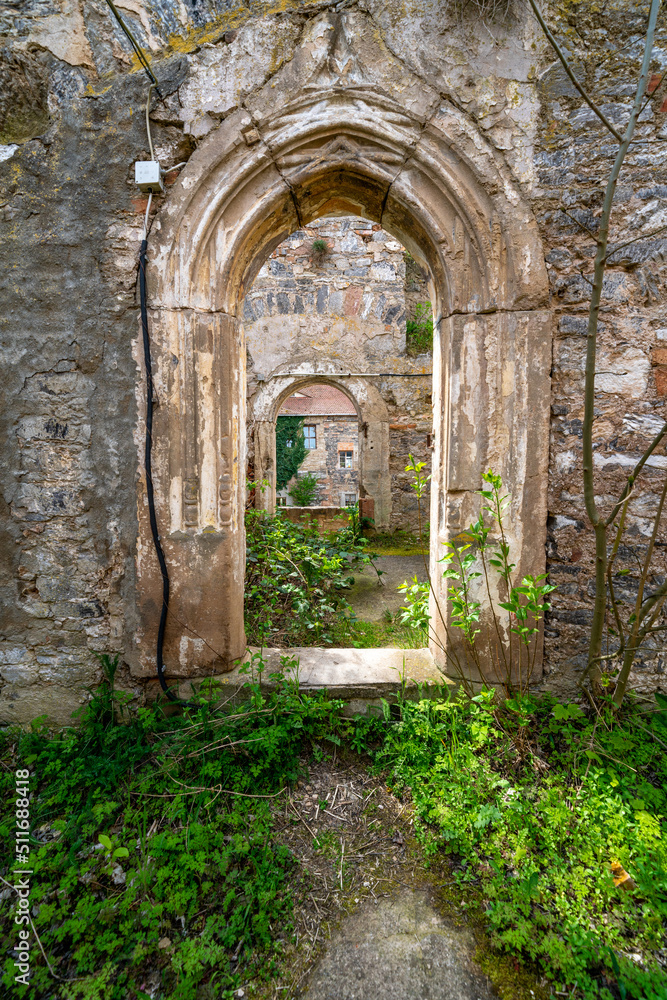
(290, 449)
(606, 524)
(304, 491)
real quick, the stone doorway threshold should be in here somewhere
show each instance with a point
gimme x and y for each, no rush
(360, 677)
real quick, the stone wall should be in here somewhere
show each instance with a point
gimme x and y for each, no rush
(347, 313)
(72, 107)
(573, 153)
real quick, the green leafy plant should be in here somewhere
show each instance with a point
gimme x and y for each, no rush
(296, 580)
(510, 649)
(304, 491)
(419, 329)
(538, 804)
(192, 897)
(415, 612)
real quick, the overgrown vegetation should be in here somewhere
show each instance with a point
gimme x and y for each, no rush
(486, 639)
(305, 489)
(419, 330)
(152, 852)
(296, 580)
(158, 870)
(555, 821)
(290, 449)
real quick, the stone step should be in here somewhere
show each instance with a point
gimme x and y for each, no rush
(360, 677)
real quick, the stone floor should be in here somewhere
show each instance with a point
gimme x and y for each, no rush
(399, 949)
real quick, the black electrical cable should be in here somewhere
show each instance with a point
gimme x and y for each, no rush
(135, 45)
(148, 445)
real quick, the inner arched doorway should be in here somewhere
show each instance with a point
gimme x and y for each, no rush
(373, 435)
(449, 199)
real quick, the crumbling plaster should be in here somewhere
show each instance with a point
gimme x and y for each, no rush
(71, 220)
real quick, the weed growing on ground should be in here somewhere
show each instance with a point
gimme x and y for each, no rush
(154, 863)
(158, 870)
(296, 580)
(545, 811)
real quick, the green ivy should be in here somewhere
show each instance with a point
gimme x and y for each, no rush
(290, 449)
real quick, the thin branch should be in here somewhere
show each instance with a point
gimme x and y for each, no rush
(580, 224)
(635, 472)
(610, 582)
(566, 66)
(55, 975)
(643, 236)
(637, 634)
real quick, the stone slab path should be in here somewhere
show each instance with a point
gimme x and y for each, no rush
(399, 948)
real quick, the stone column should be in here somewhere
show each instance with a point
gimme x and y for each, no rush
(199, 481)
(264, 432)
(491, 411)
(374, 467)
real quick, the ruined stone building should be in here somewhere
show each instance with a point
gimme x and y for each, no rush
(453, 133)
(331, 437)
(343, 316)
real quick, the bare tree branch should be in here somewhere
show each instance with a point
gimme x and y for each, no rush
(566, 66)
(635, 472)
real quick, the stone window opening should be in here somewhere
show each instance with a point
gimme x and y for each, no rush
(345, 459)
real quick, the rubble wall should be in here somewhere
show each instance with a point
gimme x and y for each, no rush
(72, 99)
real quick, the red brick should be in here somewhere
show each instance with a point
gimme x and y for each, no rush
(659, 356)
(654, 82)
(661, 381)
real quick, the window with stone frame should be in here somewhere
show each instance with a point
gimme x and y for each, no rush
(345, 459)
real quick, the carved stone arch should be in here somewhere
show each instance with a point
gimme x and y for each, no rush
(374, 478)
(324, 138)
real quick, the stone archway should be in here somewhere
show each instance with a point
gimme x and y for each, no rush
(374, 478)
(344, 128)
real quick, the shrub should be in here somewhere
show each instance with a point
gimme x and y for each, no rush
(541, 808)
(295, 580)
(304, 491)
(155, 865)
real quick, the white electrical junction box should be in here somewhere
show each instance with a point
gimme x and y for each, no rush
(147, 175)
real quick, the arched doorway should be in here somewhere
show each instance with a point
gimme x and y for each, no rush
(373, 435)
(447, 197)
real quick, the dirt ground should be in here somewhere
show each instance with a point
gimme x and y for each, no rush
(371, 599)
(355, 847)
